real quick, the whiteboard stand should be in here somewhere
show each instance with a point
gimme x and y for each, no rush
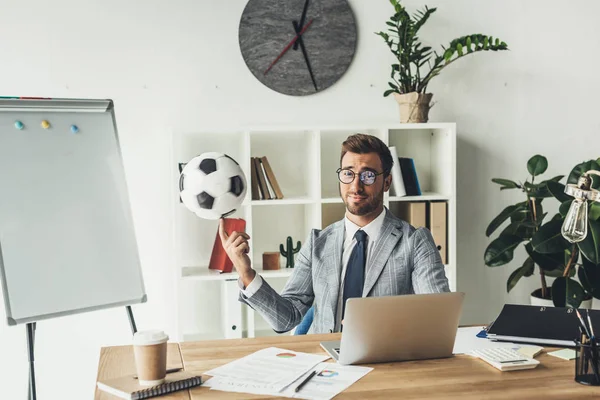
(30, 345)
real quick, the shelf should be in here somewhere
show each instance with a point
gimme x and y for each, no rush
(426, 196)
(304, 160)
(205, 274)
(284, 201)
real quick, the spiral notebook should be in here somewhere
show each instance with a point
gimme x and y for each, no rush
(127, 387)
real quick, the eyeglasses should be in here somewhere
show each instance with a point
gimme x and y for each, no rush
(366, 177)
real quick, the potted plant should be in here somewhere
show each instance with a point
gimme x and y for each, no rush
(544, 243)
(409, 79)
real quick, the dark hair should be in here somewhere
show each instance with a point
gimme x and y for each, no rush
(360, 143)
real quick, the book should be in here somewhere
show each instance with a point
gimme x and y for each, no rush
(397, 181)
(271, 178)
(127, 387)
(437, 225)
(538, 325)
(409, 175)
(219, 260)
(264, 190)
(254, 180)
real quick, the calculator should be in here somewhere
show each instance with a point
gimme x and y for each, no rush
(505, 359)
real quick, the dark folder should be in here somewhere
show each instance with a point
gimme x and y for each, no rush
(540, 325)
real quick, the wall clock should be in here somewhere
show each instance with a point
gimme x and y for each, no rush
(297, 47)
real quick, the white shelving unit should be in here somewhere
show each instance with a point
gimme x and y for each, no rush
(304, 160)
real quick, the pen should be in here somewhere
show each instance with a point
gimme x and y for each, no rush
(305, 381)
(590, 324)
(585, 328)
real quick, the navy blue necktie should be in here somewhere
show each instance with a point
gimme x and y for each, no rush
(354, 280)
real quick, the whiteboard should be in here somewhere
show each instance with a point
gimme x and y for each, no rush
(67, 242)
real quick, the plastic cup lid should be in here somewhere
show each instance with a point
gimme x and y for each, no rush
(146, 338)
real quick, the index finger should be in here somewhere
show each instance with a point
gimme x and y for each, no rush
(224, 236)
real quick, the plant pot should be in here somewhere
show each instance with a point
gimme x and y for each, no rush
(536, 300)
(414, 107)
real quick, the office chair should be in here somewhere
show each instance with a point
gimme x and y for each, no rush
(304, 326)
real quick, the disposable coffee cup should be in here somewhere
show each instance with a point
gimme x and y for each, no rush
(150, 350)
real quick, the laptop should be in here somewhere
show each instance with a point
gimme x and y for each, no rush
(397, 328)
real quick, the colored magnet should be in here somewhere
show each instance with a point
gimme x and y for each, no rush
(19, 125)
(45, 124)
(74, 129)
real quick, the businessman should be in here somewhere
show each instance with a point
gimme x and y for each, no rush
(368, 253)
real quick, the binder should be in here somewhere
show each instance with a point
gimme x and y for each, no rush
(437, 224)
(539, 325)
(415, 213)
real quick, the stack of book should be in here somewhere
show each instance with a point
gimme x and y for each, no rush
(404, 176)
(264, 185)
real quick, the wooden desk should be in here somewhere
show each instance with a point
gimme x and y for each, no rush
(460, 377)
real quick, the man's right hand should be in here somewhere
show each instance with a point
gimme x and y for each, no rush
(237, 248)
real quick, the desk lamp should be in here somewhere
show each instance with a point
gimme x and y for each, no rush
(574, 229)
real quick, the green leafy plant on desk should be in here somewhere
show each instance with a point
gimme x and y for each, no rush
(543, 241)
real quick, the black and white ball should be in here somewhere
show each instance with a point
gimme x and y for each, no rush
(212, 185)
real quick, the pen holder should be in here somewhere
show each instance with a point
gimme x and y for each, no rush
(587, 363)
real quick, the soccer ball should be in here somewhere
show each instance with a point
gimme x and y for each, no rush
(212, 185)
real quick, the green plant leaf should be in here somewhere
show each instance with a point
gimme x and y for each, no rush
(579, 169)
(594, 211)
(508, 184)
(537, 164)
(567, 292)
(548, 239)
(526, 269)
(503, 216)
(558, 191)
(547, 262)
(388, 92)
(539, 190)
(589, 276)
(519, 229)
(590, 246)
(500, 251)
(564, 207)
(556, 273)
(557, 217)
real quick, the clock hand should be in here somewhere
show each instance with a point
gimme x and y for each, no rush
(312, 77)
(288, 46)
(301, 25)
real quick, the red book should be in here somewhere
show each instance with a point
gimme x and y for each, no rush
(219, 260)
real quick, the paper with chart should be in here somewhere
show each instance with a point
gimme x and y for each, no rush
(331, 380)
(271, 368)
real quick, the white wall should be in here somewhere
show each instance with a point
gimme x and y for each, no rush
(177, 64)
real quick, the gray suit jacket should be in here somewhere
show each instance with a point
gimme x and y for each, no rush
(405, 261)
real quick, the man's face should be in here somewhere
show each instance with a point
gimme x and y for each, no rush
(361, 199)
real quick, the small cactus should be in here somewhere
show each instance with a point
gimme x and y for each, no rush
(289, 252)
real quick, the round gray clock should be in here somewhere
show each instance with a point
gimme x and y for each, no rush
(297, 47)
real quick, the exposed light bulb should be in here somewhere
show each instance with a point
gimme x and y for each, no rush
(574, 229)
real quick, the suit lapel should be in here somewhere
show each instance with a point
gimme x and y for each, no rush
(334, 247)
(389, 237)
